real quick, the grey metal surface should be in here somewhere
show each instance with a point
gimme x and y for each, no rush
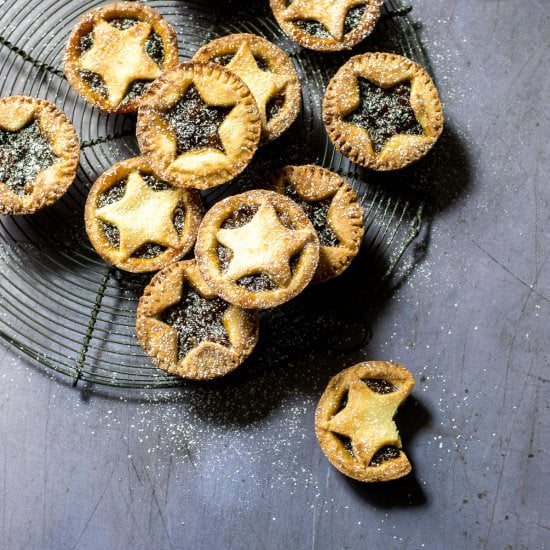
(198, 467)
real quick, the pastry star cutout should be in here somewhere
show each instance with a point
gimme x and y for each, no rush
(142, 216)
(330, 13)
(367, 419)
(263, 84)
(127, 59)
(264, 245)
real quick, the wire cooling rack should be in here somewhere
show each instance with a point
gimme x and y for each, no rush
(60, 303)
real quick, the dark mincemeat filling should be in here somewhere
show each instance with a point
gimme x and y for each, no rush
(385, 453)
(258, 282)
(195, 123)
(226, 59)
(317, 212)
(379, 385)
(384, 113)
(314, 28)
(197, 319)
(23, 155)
(274, 106)
(240, 217)
(353, 18)
(346, 442)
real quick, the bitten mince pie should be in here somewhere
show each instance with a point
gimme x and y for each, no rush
(332, 207)
(266, 70)
(198, 125)
(116, 51)
(257, 249)
(137, 221)
(187, 330)
(39, 154)
(327, 25)
(383, 111)
(354, 421)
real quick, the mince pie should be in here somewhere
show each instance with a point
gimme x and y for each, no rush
(332, 207)
(266, 70)
(257, 250)
(354, 421)
(39, 154)
(116, 51)
(327, 25)
(137, 221)
(198, 125)
(187, 330)
(383, 111)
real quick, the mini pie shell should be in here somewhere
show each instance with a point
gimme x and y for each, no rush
(277, 61)
(385, 70)
(328, 44)
(208, 261)
(345, 216)
(50, 184)
(116, 10)
(196, 168)
(329, 405)
(160, 341)
(190, 199)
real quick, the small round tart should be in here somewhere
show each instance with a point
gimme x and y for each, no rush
(187, 330)
(39, 154)
(198, 125)
(116, 51)
(382, 111)
(266, 70)
(327, 25)
(257, 250)
(138, 222)
(354, 421)
(332, 207)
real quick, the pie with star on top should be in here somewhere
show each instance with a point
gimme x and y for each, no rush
(354, 421)
(327, 25)
(332, 207)
(188, 330)
(266, 70)
(138, 222)
(39, 154)
(115, 52)
(257, 250)
(382, 111)
(198, 125)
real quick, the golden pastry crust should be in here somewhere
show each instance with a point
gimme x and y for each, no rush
(200, 167)
(366, 420)
(384, 70)
(344, 218)
(118, 55)
(49, 184)
(263, 241)
(331, 15)
(142, 216)
(279, 79)
(208, 359)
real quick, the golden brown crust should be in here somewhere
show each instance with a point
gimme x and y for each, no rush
(369, 425)
(345, 215)
(150, 20)
(239, 132)
(160, 341)
(263, 245)
(177, 243)
(280, 78)
(331, 13)
(49, 184)
(384, 70)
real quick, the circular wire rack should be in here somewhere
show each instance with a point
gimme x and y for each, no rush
(60, 303)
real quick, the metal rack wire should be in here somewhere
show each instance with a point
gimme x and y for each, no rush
(60, 304)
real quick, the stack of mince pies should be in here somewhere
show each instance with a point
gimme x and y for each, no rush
(199, 124)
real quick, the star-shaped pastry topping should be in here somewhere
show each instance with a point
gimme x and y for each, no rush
(367, 419)
(264, 245)
(142, 216)
(330, 13)
(119, 57)
(384, 112)
(263, 84)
